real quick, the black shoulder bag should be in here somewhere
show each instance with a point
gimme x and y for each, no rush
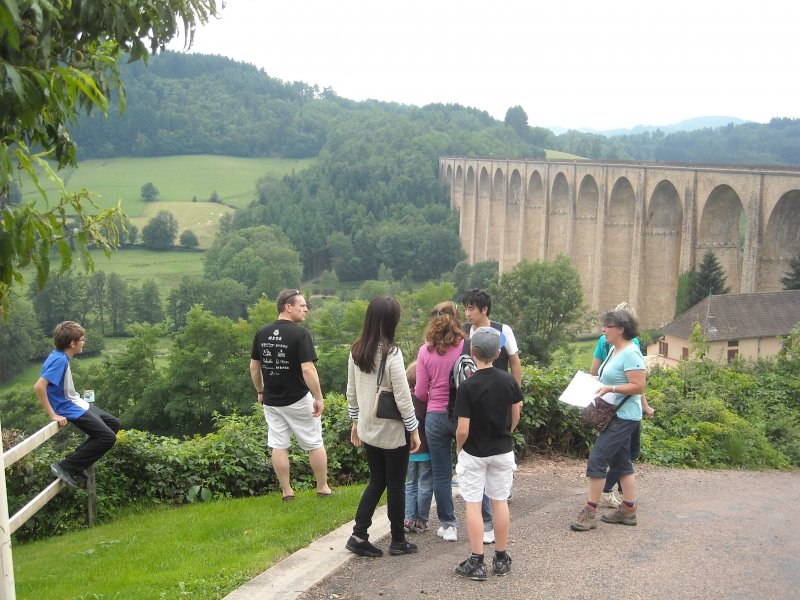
(386, 406)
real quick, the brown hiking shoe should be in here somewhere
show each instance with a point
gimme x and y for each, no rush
(587, 519)
(622, 516)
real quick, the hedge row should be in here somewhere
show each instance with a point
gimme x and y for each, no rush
(745, 415)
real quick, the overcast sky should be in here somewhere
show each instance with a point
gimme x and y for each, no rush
(574, 64)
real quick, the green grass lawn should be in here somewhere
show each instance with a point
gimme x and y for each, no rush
(199, 551)
(178, 178)
(584, 352)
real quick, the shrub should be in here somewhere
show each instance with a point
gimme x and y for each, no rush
(233, 461)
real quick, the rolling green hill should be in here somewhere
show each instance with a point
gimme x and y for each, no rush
(178, 178)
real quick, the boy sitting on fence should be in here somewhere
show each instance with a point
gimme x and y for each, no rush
(57, 395)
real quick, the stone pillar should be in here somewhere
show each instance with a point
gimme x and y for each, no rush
(637, 261)
(689, 230)
(752, 241)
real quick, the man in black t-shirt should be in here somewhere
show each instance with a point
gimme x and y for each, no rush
(488, 408)
(286, 381)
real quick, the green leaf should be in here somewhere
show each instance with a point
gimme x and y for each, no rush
(16, 81)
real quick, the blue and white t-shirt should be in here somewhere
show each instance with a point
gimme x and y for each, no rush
(61, 393)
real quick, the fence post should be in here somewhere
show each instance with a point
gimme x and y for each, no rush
(7, 589)
(91, 493)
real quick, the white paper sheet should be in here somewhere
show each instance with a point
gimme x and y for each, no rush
(581, 390)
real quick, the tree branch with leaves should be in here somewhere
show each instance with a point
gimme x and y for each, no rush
(58, 59)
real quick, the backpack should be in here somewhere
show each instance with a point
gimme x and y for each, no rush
(463, 367)
(501, 362)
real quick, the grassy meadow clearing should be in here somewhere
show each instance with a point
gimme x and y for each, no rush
(202, 218)
(558, 155)
(135, 265)
(178, 178)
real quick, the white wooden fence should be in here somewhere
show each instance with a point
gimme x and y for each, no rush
(10, 525)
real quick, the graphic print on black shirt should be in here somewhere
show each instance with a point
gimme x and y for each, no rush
(282, 347)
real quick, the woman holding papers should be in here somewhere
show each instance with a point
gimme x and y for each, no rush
(622, 380)
(607, 498)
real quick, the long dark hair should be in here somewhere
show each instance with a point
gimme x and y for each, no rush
(380, 323)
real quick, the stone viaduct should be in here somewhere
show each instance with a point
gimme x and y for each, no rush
(630, 229)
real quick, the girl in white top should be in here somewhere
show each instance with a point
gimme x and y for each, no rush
(387, 442)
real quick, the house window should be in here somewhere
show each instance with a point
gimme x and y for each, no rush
(685, 353)
(663, 348)
(732, 354)
(733, 343)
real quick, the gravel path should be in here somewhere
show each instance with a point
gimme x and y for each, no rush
(701, 535)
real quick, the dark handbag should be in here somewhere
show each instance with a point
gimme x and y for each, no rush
(598, 413)
(386, 404)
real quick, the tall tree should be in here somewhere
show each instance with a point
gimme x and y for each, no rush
(161, 231)
(146, 303)
(118, 300)
(18, 343)
(261, 258)
(58, 60)
(517, 118)
(710, 280)
(792, 279)
(54, 302)
(542, 301)
(125, 374)
(149, 192)
(97, 297)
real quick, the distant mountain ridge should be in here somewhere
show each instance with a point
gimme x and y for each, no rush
(692, 124)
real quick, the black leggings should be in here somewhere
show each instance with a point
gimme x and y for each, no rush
(387, 471)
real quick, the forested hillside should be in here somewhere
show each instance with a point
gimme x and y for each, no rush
(200, 104)
(373, 197)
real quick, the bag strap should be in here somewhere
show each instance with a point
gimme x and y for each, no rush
(380, 373)
(600, 372)
(603, 365)
(618, 406)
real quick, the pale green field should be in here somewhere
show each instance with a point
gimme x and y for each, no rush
(178, 178)
(558, 155)
(136, 265)
(201, 217)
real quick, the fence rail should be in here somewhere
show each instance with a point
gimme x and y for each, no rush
(29, 444)
(10, 525)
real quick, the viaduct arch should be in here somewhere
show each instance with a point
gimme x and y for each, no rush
(630, 229)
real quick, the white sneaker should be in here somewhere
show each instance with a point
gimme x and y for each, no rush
(608, 500)
(448, 534)
(488, 537)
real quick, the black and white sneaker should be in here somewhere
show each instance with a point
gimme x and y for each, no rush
(472, 569)
(63, 475)
(501, 566)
